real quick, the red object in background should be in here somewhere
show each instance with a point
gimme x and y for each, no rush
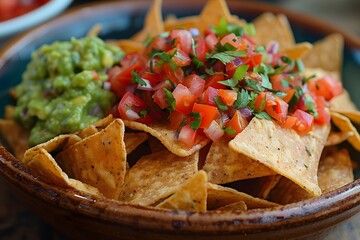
(14, 8)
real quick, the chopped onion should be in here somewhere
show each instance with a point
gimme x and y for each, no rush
(132, 115)
(146, 87)
(107, 85)
(194, 32)
(214, 131)
(245, 112)
(273, 47)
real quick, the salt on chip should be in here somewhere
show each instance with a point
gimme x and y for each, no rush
(345, 125)
(326, 54)
(156, 176)
(219, 196)
(191, 196)
(224, 165)
(98, 160)
(236, 206)
(212, 13)
(335, 171)
(270, 27)
(298, 51)
(15, 136)
(168, 137)
(284, 151)
(153, 23)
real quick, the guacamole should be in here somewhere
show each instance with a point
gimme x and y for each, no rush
(62, 89)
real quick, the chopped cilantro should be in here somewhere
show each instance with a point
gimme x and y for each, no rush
(220, 104)
(195, 123)
(310, 105)
(137, 79)
(227, 56)
(299, 65)
(242, 100)
(229, 130)
(265, 82)
(254, 85)
(240, 72)
(262, 115)
(143, 113)
(170, 99)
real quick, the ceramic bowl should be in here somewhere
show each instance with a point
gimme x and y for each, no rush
(80, 216)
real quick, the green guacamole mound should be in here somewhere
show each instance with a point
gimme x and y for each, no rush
(62, 88)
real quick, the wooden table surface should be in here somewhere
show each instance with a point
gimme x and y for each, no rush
(18, 222)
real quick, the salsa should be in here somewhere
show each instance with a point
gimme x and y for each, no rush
(212, 83)
(63, 88)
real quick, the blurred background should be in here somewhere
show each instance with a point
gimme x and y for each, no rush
(17, 222)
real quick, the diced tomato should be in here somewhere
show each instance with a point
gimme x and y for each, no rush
(195, 84)
(183, 39)
(187, 136)
(290, 122)
(323, 115)
(289, 94)
(120, 78)
(211, 41)
(326, 86)
(209, 94)
(237, 123)
(130, 106)
(233, 40)
(181, 59)
(153, 78)
(253, 60)
(184, 99)
(260, 101)
(160, 98)
(228, 96)
(200, 48)
(305, 123)
(276, 107)
(157, 43)
(176, 118)
(213, 81)
(175, 76)
(218, 67)
(277, 83)
(207, 113)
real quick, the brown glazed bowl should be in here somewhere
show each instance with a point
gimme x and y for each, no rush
(80, 216)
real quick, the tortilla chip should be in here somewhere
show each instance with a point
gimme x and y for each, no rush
(96, 127)
(133, 140)
(167, 137)
(224, 165)
(335, 171)
(94, 31)
(181, 23)
(298, 51)
(129, 46)
(284, 151)
(343, 103)
(219, 196)
(43, 165)
(345, 125)
(98, 160)
(270, 27)
(336, 138)
(212, 13)
(191, 196)
(156, 176)
(153, 23)
(236, 206)
(15, 137)
(326, 54)
(9, 111)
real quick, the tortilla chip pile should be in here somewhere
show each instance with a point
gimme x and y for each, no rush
(263, 166)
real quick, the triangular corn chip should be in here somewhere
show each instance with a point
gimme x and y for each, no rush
(133, 140)
(219, 196)
(156, 176)
(224, 165)
(191, 196)
(98, 160)
(336, 138)
(212, 13)
(167, 137)
(153, 23)
(326, 54)
(16, 138)
(298, 51)
(236, 206)
(129, 46)
(345, 125)
(284, 151)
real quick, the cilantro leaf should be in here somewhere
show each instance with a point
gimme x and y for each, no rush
(170, 99)
(242, 100)
(254, 85)
(137, 79)
(262, 115)
(310, 105)
(240, 72)
(195, 123)
(229, 130)
(265, 82)
(220, 104)
(299, 65)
